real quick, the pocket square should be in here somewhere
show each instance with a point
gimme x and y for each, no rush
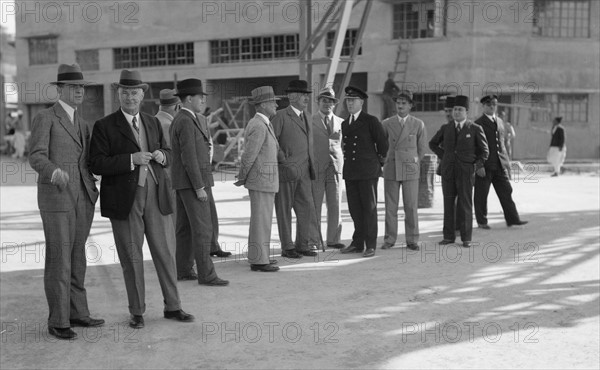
(468, 135)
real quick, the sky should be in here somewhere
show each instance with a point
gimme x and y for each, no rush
(7, 20)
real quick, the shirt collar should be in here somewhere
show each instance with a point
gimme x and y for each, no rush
(330, 116)
(461, 123)
(263, 117)
(69, 109)
(402, 119)
(129, 117)
(189, 110)
(296, 110)
(355, 115)
(492, 118)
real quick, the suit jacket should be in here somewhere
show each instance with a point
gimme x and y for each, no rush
(495, 137)
(364, 145)
(191, 167)
(165, 121)
(55, 143)
(406, 148)
(327, 148)
(295, 145)
(558, 137)
(468, 151)
(258, 168)
(111, 148)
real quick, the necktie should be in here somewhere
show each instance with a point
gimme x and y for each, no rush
(328, 125)
(135, 126)
(458, 128)
(351, 119)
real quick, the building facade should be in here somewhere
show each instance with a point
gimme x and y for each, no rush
(540, 56)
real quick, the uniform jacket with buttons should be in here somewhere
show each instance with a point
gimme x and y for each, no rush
(495, 134)
(328, 147)
(406, 148)
(364, 144)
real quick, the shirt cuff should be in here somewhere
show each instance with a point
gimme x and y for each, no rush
(131, 165)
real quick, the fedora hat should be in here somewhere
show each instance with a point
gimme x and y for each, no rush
(327, 92)
(130, 80)
(353, 92)
(70, 74)
(299, 86)
(191, 86)
(167, 97)
(262, 94)
(404, 94)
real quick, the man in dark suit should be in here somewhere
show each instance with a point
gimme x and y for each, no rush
(558, 150)
(129, 151)
(296, 170)
(67, 196)
(193, 180)
(496, 168)
(462, 146)
(329, 161)
(365, 145)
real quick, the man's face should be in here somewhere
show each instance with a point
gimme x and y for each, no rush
(354, 104)
(459, 113)
(326, 105)
(403, 106)
(448, 112)
(490, 107)
(198, 103)
(299, 100)
(130, 99)
(71, 94)
(270, 108)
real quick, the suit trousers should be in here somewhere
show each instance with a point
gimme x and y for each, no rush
(499, 178)
(410, 197)
(328, 186)
(261, 220)
(458, 202)
(145, 218)
(194, 234)
(64, 273)
(362, 204)
(296, 195)
(214, 240)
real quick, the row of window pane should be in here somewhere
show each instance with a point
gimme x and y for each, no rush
(347, 47)
(154, 55)
(562, 18)
(254, 48)
(572, 107)
(414, 20)
(43, 50)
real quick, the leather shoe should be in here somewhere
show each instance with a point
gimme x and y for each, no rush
(191, 275)
(273, 262)
(308, 253)
(87, 322)
(351, 249)
(264, 268)
(290, 254)
(446, 241)
(484, 226)
(387, 246)
(62, 333)
(216, 282)
(370, 252)
(413, 246)
(336, 246)
(466, 244)
(179, 315)
(220, 253)
(136, 321)
(519, 223)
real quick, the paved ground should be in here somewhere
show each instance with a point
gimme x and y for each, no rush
(523, 298)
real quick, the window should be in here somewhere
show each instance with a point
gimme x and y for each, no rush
(417, 20)
(347, 47)
(87, 59)
(572, 107)
(43, 50)
(562, 18)
(428, 102)
(154, 55)
(254, 48)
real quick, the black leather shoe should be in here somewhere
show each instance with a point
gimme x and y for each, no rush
(370, 252)
(136, 321)
(264, 268)
(446, 241)
(220, 253)
(466, 244)
(216, 282)
(290, 254)
(191, 275)
(273, 262)
(484, 226)
(86, 322)
(179, 315)
(519, 223)
(308, 253)
(336, 246)
(387, 246)
(351, 249)
(62, 333)
(413, 246)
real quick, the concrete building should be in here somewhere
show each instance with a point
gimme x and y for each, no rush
(8, 75)
(534, 53)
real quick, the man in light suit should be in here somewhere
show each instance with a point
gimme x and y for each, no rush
(329, 161)
(296, 170)
(129, 151)
(462, 146)
(407, 140)
(169, 106)
(496, 169)
(193, 180)
(258, 173)
(67, 196)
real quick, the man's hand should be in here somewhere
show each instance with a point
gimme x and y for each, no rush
(141, 158)
(201, 195)
(60, 178)
(481, 172)
(158, 156)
